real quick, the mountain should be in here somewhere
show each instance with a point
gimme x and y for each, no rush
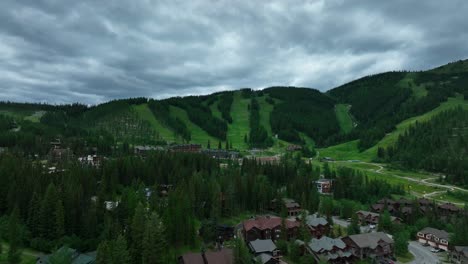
(365, 109)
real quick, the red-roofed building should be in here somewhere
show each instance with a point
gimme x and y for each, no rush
(268, 227)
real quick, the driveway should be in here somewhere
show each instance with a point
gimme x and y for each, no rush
(422, 255)
(345, 224)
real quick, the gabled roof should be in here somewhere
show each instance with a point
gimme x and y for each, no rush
(268, 222)
(371, 214)
(325, 244)
(370, 240)
(436, 232)
(262, 246)
(264, 258)
(449, 206)
(193, 258)
(314, 221)
(224, 256)
(463, 250)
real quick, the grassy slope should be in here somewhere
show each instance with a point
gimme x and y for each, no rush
(215, 111)
(198, 135)
(240, 122)
(392, 137)
(344, 119)
(418, 90)
(145, 113)
(349, 150)
(265, 111)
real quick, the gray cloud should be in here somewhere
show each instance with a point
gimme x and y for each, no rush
(92, 51)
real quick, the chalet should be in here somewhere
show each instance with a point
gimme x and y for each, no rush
(144, 150)
(268, 227)
(385, 204)
(264, 246)
(324, 186)
(268, 160)
(318, 226)
(266, 259)
(330, 250)
(76, 257)
(366, 217)
(191, 148)
(370, 245)
(434, 237)
(459, 255)
(424, 202)
(60, 154)
(292, 207)
(223, 256)
(91, 160)
(221, 154)
(293, 147)
(448, 209)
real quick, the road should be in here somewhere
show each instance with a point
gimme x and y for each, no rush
(419, 181)
(345, 224)
(422, 255)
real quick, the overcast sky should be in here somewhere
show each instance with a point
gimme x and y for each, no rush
(91, 51)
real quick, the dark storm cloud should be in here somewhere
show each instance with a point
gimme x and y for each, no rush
(92, 51)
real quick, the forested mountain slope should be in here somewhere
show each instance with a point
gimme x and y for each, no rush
(440, 145)
(365, 110)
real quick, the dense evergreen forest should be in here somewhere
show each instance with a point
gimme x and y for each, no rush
(258, 136)
(69, 206)
(440, 145)
(302, 110)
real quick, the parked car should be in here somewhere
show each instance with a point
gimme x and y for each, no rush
(435, 250)
(425, 245)
(371, 226)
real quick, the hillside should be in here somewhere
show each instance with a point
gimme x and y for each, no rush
(367, 113)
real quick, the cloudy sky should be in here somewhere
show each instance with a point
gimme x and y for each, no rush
(62, 51)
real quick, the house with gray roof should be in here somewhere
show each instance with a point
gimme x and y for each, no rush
(332, 250)
(434, 237)
(370, 245)
(263, 246)
(459, 255)
(76, 257)
(318, 226)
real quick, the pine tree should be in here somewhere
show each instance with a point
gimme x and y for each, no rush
(47, 212)
(219, 145)
(14, 253)
(33, 214)
(241, 253)
(137, 232)
(119, 251)
(61, 256)
(208, 146)
(154, 244)
(59, 220)
(103, 253)
(227, 145)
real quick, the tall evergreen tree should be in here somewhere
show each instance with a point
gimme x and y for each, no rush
(241, 253)
(59, 220)
(14, 253)
(104, 255)
(137, 233)
(61, 256)
(119, 251)
(154, 243)
(47, 213)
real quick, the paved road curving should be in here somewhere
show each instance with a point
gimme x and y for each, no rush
(422, 255)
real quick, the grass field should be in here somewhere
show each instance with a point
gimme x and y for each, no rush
(215, 111)
(145, 113)
(346, 151)
(28, 256)
(408, 257)
(344, 118)
(240, 122)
